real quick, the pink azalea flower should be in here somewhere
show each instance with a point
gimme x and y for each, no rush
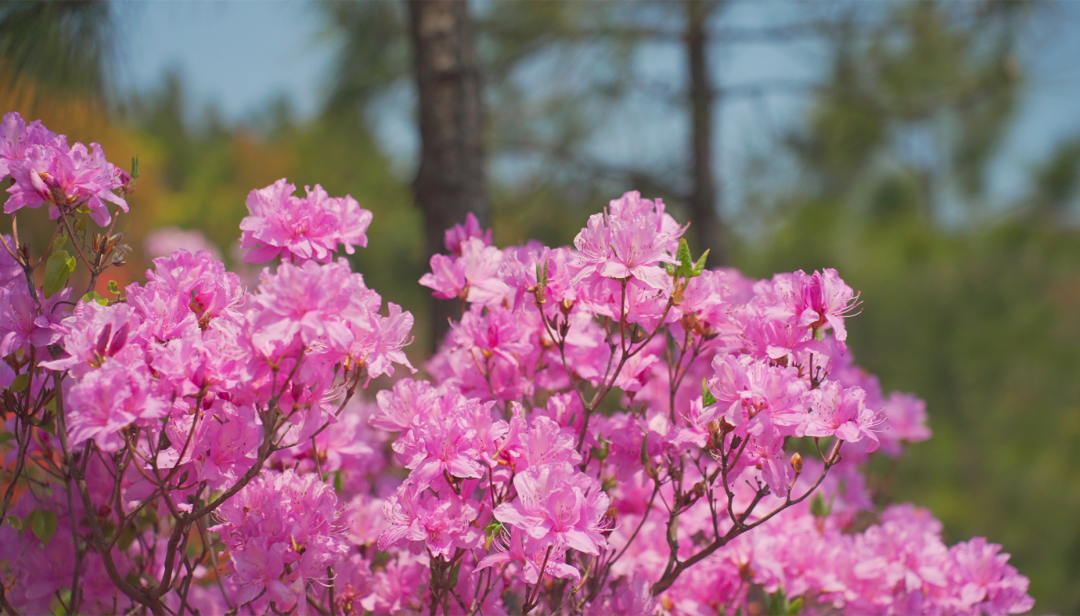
(459, 234)
(408, 399)
(293, 228)
(631, 241)
(201, 279)
(628, 599)
(630, 206)
(546, 442)
(310, 303)
(442, 523)
(820, 300)
(496, 332)
(557, 506)
(228, 446)
(16, 137)
(22, 323)
(768, 452)
(378, 341)
(108, 399)
(92, 335)
(364, 519)
(451, 446)
(986, 583)
(905, 422)
(637, 250)
(510, 548)
(755, 397)
(473, 275)
(446, 277)
(165, 314)
(636, 372)
(279, 520)
(838, 411)
(832, 299)
(64, 178)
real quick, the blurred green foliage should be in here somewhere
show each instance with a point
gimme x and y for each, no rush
(971, 306)
(65, 45)
(984, 325)
(209, 171)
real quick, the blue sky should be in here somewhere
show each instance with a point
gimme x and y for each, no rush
(235, 54)
(238, 54)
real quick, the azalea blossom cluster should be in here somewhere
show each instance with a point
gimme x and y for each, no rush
(44, 169)
(602, 431)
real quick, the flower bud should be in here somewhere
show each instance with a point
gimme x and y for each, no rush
(725, 426)
(609, 521)
(689, 322)
(714, 431)
(796, 463)
(699, 489)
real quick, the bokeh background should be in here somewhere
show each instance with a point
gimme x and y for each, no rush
(929, 151)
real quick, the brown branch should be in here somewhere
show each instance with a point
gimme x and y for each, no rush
(7, 607)
(136, 594)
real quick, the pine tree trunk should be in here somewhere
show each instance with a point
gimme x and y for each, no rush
(706, 228)
(450, 181)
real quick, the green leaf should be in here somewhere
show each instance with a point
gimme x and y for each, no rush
(775, 603)
(127, 537)
(601, 453)
(493, 530)
(794, 607)
(699, 267)
(49, 426)
(44, 526)
(454, 575)
(28, 521)
(113, 288)
(65, 599)
(20, 383)
(707, 399)
(15, 522)
(57, 271)
(818, 507)
(339, 481)
(59, 242)
(644, 449)
(686, 262)
(108, 528)
(94, 297)
(82, 223)
(135, 167)
(670, 267)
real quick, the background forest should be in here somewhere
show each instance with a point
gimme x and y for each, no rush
(971, 299)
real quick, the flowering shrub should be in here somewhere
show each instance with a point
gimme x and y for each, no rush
(604, 431)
